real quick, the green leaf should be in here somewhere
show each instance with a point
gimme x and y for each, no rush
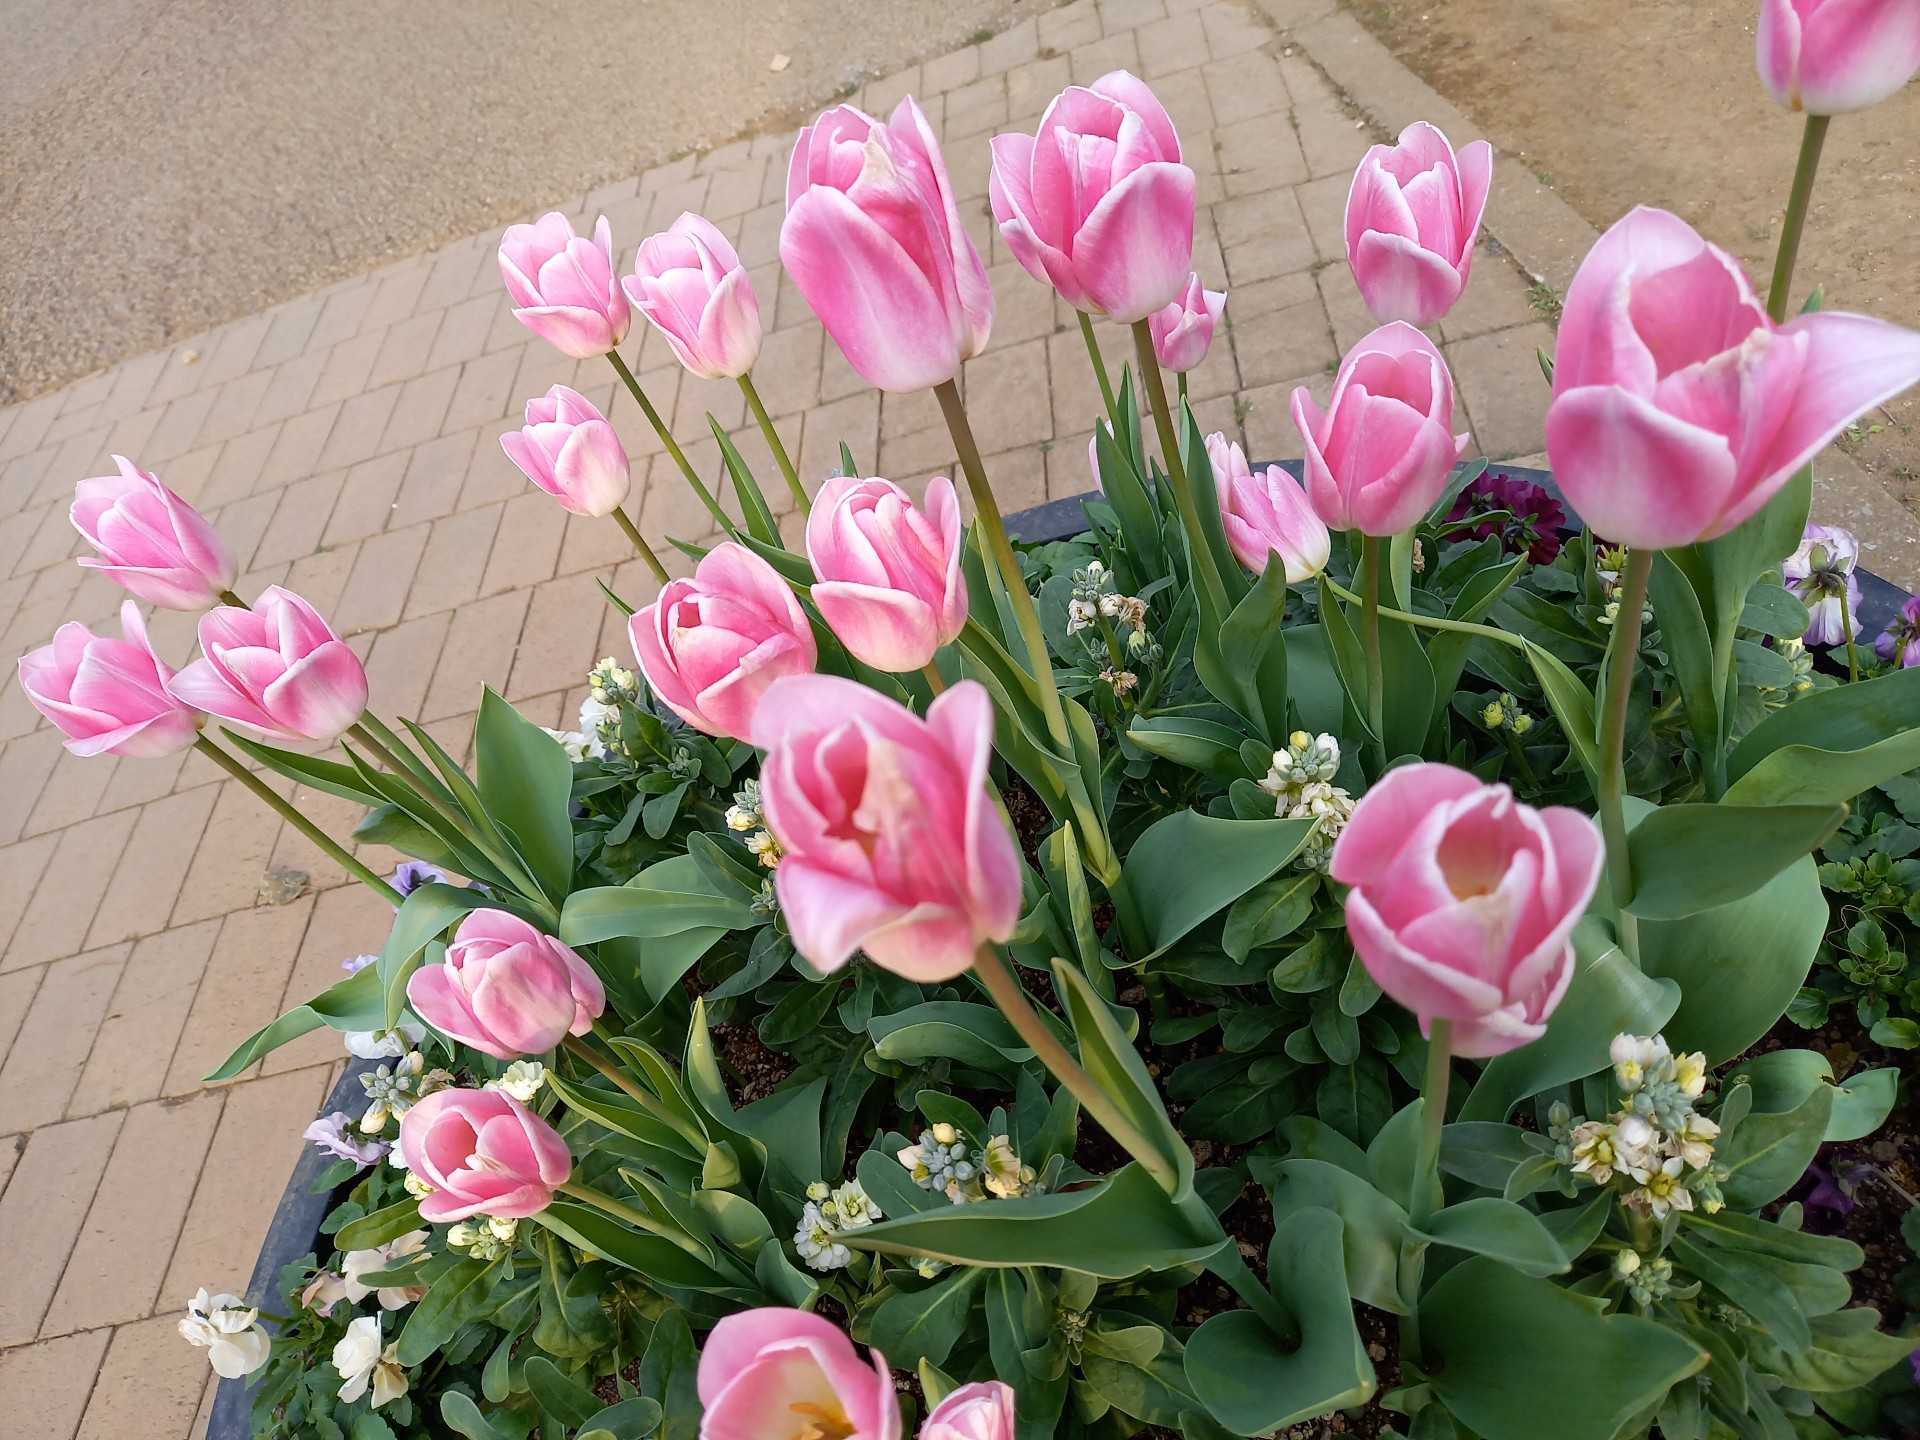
(951, 1030)
(754, 509)
(1831, 745)
(455, 1297)
(1247, 656)
(659, 1260)
(1486, 1323)
(423, 915)
(1192, 741)
(1728, 1229)
(1690, 858)
(355, 1003)
(1485, 1153)
(1844, 1349)
(1117, 1069)
(1188, 867)
(667, 898)
(465, 1418)
(328, 776)
(1374, 1230)
(380, 1227)
(1500, 1229)
(1862, 1104)
(634, 1418)
(1769, 1151)
(912, 1326)
(1572, 705)
(1748, 1283)
(558, 1396)
(526, 781)
(1683, 629)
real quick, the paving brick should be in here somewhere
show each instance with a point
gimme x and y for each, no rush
(854, 422)
(485, 390)
(349, 364)
(236, 472)
(232, 857)
(253, 1152)
(234, 407)
(593, 544)
(150, 1382)
(296, 453)
(142, 1024)
(300, 519)
(557, 642)
(1009, 399)
(1498, 379)
(121, 1253)
(421, 410)
(366, 499)
(44, 1063)
(40, 1380)
(1496, 298)
(43, 1208)
(395, 291)
(1283, 333)
(1262, 236)
(404, 348)
(357, 432)
(1267, 418)
(56, 920)
(464, 328)
(240, 991)
(434, 474)
(1014, 46)
(151, 867)
(25, 765)
(400, 666)
(17, 989)
(455, 558)
(1070, 25)
(479, 651)
(535, 523)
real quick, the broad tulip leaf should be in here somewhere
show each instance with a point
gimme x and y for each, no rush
(977, 1035)
(331, 777)
(1690, 858)
(915, 1325)
(669, 897)
(526, 781)
(658, 1259)
(355, 1003)
(1188, 867)
(1831, 745)
(1485, 1323)
(1117, 1069)
(380, 1227)
(1255, 651)
(1500, 1229)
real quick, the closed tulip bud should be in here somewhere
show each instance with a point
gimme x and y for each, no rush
(1099, 203)
(568, 449)
(1377, 457)
(150, 540)
(710, 646)
(563, 286)
(1266, 514)
(506, 989)
(779, 1372)
(484, 1153)
(1413, 213)
(1679, 408)
(107, 696)
(1830, 56)
(890, 840)
(1183, 330)
(277, 669)
(689, 282)
(874, 242)
(1464, 901)
(888, 579)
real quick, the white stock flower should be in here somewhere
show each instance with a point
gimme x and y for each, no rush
(1635, 1058)
(385, 1044)
(228, 1329)
(390, 1256)
(361, 1361)
(522, 1080)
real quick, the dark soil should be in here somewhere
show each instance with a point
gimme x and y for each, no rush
(754, 1071)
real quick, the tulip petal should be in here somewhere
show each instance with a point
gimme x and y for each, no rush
(1853, 363)
(1135, 250)
(1637, 476)
(1401, 279)
(830, 916)
(1397, 803)
(1856, 53)
(885, 628)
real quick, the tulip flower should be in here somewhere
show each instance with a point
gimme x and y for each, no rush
(1378, 456)
(1098, 202)
(890, 841)
(277, 669)
(563, 285)
(1820, 572)
(689, 282)
(1830, 56)
(1183, 330)
(889, 582)
(981, 1411)
(568, 449)
(874, 241)
(1413, 214)
(779, 1372)
(1464, 901)
(1266, 514)
(710, 646)
(150, 540)
(506, 989)
(1679, 408)
(483, 1152)
(107, 696)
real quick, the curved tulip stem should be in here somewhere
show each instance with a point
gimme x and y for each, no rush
(1430, 622)
(780, 456)
(385, 747)
(650, 1103)
(620, 1210)
(1180, 386)
(227, 597)
(1370, 558)
(1811, 141)
(930, 672)
(625, 522)
(671, 445)
(1846, 629)
(1099, 361)
(1621, 658)
(1206, 571)
(1426, 1174)
(285, 810)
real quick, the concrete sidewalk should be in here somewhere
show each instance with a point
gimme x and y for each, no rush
(345, 443)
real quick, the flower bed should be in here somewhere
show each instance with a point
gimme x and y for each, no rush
(1290, 948)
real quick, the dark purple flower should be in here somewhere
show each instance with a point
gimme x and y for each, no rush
(410, 875)
(1525, 518)
(1901, 639)
(1833, 1190)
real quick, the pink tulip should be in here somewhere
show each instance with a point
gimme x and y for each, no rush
(874, 241)
(1413, 213)
(1097, 203)
(1378, 456)
(1831, 56)
(890, 839)
(484, 1153)
(563, 285)
(1183, 330)
(774, 1372)
(1464, 901)
(1679, 408)
(277, 669)
(710, 646)
(506, 989)
(569, 450)
(150, 540)
(108, 697)
(888, 573)
(1266, 514)
(981, 1411)
(689, 282)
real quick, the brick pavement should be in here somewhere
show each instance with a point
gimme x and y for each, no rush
(345, 443)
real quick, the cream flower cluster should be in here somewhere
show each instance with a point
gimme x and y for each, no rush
(829, 1212)
(745, 817)
(1300, 780)
(1656, 1149)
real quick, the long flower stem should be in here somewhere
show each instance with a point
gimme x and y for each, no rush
(1099, 361)
(1811, 141)
(1621, 660)
(620, 1210)
(1207, 572)
(1000, 551)
(1370, 562)
(266, 795)
(579, 1048)
(1846, 629)
(1011, 998)
(1180, 386)
(1426, 1174)
(1431, 622)
(625, 522)
(780, 456)
(384, 746)
(930, 672)
(671, 445)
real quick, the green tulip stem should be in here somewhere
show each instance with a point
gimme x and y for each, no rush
(1426, 1175)
(584, 1052)
(1099, 362)
(1430, 622)
(1010, 996)
(285, 810)
(1846, 629)
(639, 1219)
(930, 672)
(1000, 550)
(227, 597)
(625, 522)
(385, 747)
(780, 456)
(671, 445)
(1206, 572)
(1371, 548)
(1811, 141)
(1180, 386)
(1621, 659)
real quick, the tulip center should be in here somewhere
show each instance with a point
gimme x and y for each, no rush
(821, 1422)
